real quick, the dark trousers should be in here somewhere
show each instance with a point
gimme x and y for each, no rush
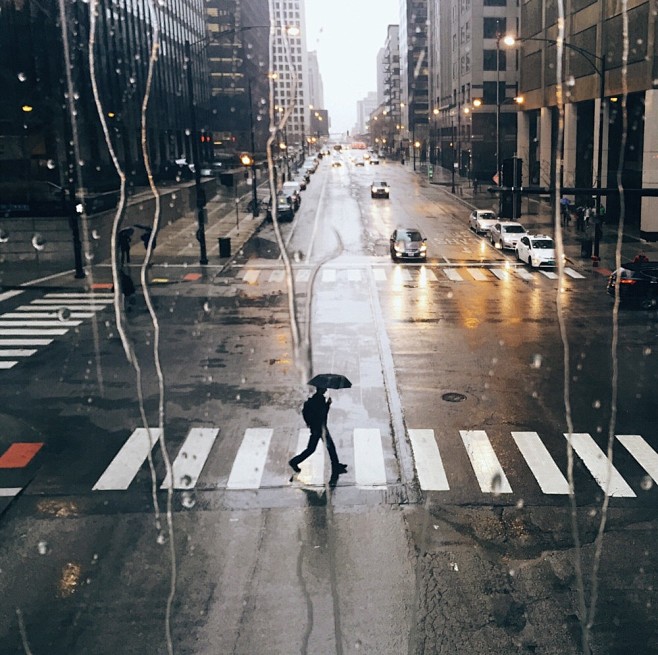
(316, 435)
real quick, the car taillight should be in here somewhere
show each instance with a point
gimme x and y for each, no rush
(626, 280)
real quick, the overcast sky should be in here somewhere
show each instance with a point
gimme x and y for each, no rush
(347, 35)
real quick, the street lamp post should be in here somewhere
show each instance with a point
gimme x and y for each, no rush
(200, 193)
(254, 184)
(498, 36)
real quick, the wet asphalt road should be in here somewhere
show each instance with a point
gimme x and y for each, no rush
(377, 564)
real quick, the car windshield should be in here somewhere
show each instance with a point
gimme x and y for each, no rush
(543, 244)
(379, 184)
(409, 235)
(487, 215)
(513, 229)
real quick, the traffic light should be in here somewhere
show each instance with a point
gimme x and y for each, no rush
(246, 159)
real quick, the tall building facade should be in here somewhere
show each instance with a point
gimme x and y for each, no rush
(315, 87)
(473, 85)
(289, 64)
(364, 108)
(36, 127)
(239, 66)
(385, 123)
(595, 121)
(414, 71)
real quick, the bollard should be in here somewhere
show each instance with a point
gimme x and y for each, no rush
(224, 247)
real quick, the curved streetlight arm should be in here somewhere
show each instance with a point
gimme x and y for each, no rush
(591, 57)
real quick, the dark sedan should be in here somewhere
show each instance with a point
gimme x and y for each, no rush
(408, 243)
(637, 283)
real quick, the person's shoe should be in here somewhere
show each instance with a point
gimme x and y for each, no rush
(294, 466)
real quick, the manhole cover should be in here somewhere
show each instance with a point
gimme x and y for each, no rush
(453, 397)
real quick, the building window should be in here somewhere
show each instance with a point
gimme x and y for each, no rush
(493, 26)
(489, 60)
(489, 93)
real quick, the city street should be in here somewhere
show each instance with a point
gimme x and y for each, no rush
(148, 505)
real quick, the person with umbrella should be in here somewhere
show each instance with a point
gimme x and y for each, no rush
(315, 412)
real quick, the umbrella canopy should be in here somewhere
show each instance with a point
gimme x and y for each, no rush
(330, 381)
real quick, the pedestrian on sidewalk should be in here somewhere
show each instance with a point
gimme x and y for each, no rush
(315, 412)
(124, 236)
(475, 185)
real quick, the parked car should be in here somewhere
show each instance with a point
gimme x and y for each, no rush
(506, 234)
(284, 209)
(536, 250)
(374, 160)
(359, 162)
(294, 190)
(408, 243)
(637, 283)
(336, 163)
(379, 190)
(480, 220)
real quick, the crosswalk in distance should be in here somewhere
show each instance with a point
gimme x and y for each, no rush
(29, 327)
(367, 468)
(421, 274)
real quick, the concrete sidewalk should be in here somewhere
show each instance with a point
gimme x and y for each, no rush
(176, 245)
(537, 217)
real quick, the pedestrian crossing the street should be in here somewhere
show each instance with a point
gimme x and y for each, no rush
(31, 326)
(257, 463)
(414, 274)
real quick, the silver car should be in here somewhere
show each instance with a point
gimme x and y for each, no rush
(506, 234)
(408, 243)
(481, 220)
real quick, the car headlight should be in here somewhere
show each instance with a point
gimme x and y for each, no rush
(423, 247)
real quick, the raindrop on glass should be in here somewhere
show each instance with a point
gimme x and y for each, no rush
(43, 547)
(571, 81)
(95, 234)
(646, 351)
(4, 236)
(63, 314)
(237, 396)
(596, 404)
(188, 500)
(520, 503)
(186, 480)
(38, 242)
(536, 361)
(22, 77)
(206, 307)
(646, 483)
(161, 538)
(496, 484)
(51, 164)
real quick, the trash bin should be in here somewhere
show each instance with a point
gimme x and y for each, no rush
(224, 247)
(585, 248)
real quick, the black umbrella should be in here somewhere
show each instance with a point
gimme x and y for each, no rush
(330, 381)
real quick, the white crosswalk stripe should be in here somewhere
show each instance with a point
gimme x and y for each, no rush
(541, 464)
(452, 274)
(477, 274)
(249, 462)
(429, 466)
(643, 453)
(487, 468)
(606, 475)
(191, 458)
(522, 273)
(123, 468)
(369, 467)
